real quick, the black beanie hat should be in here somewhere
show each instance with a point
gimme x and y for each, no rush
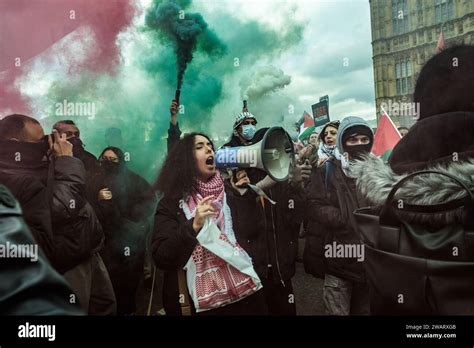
(357, 130)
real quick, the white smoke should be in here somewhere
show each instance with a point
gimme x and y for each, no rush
(264, 80)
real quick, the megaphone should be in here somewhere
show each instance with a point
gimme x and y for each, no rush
(273, 154)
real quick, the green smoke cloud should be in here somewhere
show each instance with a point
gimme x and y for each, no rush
(183, 30)
(136, 96)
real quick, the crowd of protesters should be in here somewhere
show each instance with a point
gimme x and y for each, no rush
(98, 224)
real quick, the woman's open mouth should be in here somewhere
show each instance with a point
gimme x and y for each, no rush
(210, 161)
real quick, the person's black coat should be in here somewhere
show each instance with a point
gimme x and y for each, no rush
(173, 242)
(32, 195)
(127, 221)
(133, 202)
(92, 168)
(28, 288)
(329, 210)
(442, 286)
(76, 228)
(62, 221)
(269, 234)
(316, 233)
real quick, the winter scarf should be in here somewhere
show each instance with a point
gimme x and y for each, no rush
(213, 187)
(213, 281)
(326, 151)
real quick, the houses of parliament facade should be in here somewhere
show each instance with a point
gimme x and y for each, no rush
(405, 34)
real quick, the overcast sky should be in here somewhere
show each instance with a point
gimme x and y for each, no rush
(334, 56)
(330, 54)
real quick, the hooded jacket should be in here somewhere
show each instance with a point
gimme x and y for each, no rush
(441, 143)
(346, 124)
(331, 200)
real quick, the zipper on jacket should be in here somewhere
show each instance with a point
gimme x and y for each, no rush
(275, 242)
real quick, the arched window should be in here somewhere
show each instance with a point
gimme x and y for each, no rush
(443, 10)
(400, 16)
(403, 76)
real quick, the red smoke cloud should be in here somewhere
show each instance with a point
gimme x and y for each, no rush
(29, 27)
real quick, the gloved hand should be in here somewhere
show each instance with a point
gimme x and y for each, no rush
(300, 174)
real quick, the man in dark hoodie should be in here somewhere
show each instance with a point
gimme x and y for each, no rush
(268, 232)
(442, 140)
(332, 199)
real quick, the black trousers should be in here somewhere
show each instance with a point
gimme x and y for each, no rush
(280, 298)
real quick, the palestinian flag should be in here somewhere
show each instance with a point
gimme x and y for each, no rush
(386, 137)
(440, 44)
(307, 127)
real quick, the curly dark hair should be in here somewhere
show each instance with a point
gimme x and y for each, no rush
(177, 176)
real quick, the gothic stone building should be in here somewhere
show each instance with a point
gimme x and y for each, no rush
(404, 36)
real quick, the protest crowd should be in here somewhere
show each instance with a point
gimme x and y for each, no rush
(209, 238)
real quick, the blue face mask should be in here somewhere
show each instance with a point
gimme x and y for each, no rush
(248, 131)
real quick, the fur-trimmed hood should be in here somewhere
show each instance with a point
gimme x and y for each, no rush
(375, 179)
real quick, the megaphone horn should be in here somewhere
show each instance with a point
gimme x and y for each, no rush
(273, 154)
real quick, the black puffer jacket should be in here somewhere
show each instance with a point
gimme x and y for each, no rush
(76, 228)
(62, 221)
(330, 207)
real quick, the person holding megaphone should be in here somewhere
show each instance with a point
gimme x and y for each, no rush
(268, 197)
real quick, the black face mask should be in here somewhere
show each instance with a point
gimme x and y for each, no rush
(31, 151)
(77, 146)
(24, 156)
(356, 151)
(110, 167)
